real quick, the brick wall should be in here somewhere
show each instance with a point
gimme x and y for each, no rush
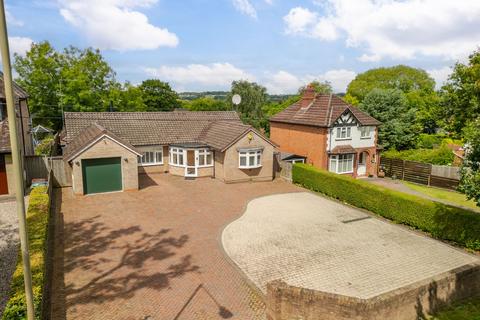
(412, 302)
(302, 140)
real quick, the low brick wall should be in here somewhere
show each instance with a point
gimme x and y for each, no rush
(285, 302)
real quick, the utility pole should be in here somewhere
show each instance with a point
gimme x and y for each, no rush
(17, 163)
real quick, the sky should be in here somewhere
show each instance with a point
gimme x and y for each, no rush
(198, 45)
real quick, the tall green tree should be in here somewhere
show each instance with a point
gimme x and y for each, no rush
(416, 84)
(461, 95)
(254, 97)
(470, 171)
(324, 87)
(158, 96)
(390, 106)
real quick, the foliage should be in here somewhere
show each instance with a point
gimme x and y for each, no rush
(417, 86)
(470, 171)
(45, 146)
(451, 196)
(429, 141)
(390, 106)
(324, 87)
(37, 221)
(461, 94)
(464, 310)
(158, 96)
(439, 156)
(440, 220)
(205, 104)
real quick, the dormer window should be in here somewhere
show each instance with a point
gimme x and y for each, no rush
(344, 133)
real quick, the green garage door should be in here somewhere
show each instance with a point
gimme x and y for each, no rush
(102, 175)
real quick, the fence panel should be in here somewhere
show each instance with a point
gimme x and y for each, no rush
(417, 172)
(446, 172)
(442, 182)
(62, 173)
(286, 170)
(36, 168)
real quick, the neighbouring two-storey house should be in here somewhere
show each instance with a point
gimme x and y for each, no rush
(7, 185)
(328, 133)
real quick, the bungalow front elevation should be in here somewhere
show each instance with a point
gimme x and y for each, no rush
(323, 130)
(108, 150)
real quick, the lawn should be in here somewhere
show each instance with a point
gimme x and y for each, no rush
(469, 310)
(442, 194)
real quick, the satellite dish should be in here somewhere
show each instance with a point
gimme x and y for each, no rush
(236, 99)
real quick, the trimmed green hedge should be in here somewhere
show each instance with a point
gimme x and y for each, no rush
(37, 223)
(440, 220)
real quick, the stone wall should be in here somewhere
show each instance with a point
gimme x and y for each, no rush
(412, 302)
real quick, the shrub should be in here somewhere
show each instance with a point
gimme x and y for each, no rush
(439, 156)
(429, 141)
(37, 222)
(45, 147)
(440, 220)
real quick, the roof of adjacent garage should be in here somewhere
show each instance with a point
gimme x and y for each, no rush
(217, 129)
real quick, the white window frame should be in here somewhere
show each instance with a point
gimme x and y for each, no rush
(365, 132)
(257, 155)
(343, 133)
(174, 154)
(337, 163)
(205, 153)
(296, 160)
(152, 154)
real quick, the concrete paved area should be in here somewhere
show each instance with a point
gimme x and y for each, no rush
(9, 245)
(313, 242)
(154, 253)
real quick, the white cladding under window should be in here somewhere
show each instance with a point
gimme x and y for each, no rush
(250, 159)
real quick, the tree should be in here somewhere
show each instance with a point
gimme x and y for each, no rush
(461, 95)
(324, 87)
(470, 170)
(206, 104)
(390, 106)
(254, 96)
(158, 96)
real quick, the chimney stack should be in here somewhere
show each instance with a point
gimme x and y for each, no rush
(308, 96)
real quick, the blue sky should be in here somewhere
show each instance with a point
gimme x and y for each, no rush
(204, 45)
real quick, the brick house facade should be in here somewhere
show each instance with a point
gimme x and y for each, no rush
(328, 133)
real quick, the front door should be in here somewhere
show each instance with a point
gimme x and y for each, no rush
(3, 176)
(191, 169)
(362, 164)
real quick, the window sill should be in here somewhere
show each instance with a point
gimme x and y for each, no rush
(365, 138)
(150, 164)
(342, 139)
(252, 167)
(177, 165)
(206, 166)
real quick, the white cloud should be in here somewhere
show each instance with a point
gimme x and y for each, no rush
(284, 82)
(19, 45)
(398, 29)
(201, 75)
(440, 75)
(114, 24)
(245, 7)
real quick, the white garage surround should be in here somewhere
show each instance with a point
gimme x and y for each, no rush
(313, 242)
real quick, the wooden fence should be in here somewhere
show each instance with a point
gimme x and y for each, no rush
(422, 173)
(38, 167)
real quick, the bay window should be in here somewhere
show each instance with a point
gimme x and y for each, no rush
(154, 157)
(341, 163)
(205, 158)
(176, 156)
(248, 159)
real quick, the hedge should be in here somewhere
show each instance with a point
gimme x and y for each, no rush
(440, 220)
(439, 156)
(37, 223)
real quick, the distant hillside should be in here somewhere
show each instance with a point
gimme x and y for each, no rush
(222, 95)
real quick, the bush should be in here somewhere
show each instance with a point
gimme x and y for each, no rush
(440, 220)
(45, 147)
(429, 141)
(439, 156)
(37, 222)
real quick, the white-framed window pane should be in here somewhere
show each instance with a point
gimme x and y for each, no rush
(243, 160)
(251, 160)
(349, 132)
(201, 159)
(209, 159)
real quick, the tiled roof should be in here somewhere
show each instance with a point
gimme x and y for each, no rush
(345, 149)
(18, 91)
(88, 136)
(4, 137)
(215, 128)
(322, 111)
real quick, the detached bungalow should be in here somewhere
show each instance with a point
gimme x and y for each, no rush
(108, 150)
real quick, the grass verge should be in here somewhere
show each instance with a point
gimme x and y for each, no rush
(37, 223)
(466, 310)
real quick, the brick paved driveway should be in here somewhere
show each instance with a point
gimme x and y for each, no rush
(154, 252)
(313, 242)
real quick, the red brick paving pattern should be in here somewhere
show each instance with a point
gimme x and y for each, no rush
(154, 252)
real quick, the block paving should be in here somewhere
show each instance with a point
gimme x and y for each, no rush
(154, 253)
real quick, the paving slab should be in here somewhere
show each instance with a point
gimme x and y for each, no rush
(313, 242)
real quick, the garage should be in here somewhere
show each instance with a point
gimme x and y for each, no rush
(102, 175)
